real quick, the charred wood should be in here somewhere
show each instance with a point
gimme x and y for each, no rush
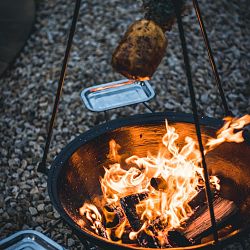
(200, 199)
(114, 215)
(159, 184)
(200, 222)
(148, 238)
(157, 225)
(124, 237)
(100, 229)
(177, 239)
(128, 204)
(221, 233)
(148, 241)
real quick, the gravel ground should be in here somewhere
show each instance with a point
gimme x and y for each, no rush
(28, 88)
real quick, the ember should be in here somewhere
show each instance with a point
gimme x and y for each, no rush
(158, 201)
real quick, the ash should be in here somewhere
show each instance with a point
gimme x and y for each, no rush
(28, 88)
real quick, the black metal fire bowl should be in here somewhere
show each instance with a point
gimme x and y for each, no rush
(74, 175)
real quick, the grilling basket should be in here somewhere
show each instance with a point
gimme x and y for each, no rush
(156, 180)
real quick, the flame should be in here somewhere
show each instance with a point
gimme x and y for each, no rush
(93, 216)
(171, 179)
(214, 180)
(228, 133)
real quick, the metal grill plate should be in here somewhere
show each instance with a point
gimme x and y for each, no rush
(116, 94)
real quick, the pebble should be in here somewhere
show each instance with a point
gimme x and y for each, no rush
(28, 88)
(56, 215)
(33, 211)
(40, 207)
(204, 98)
(34, 190)
(71, 242)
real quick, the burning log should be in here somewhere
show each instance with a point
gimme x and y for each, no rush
(93, 216)
(176, 239)
(199, 222)
(200, 199)
(159, 183)
(125, 236)
(114, 215)
(121, 233)
(128, 204)
(100, 229)
(221, 233)
(156, 226)
(146, 240)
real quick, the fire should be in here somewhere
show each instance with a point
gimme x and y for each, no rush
(92, 214)
(228, 133)
(168, 181)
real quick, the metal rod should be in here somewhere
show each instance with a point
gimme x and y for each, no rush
(52, 226)
(211, 58)
(196, 118)
(148, 107)
(42, 165)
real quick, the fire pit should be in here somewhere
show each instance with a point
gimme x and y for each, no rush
(74, 175)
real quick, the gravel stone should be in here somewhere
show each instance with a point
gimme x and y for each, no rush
(71, 242)
(40, 207)
(56, 215)
(33, 210)
(28, 89)
(34, 190)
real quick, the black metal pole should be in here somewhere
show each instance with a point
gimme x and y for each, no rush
(148, 107)
(195, 115)
(211, 58)
(42, 165)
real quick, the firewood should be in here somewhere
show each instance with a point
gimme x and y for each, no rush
(221, 233)
(176, 239)
(125, 236)
(200, 222)
(146, 240)
(100, 229)
(114, 215)
(200, 199)
(128, 204)
(159, 184)
(148, 237)
(157, 225)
